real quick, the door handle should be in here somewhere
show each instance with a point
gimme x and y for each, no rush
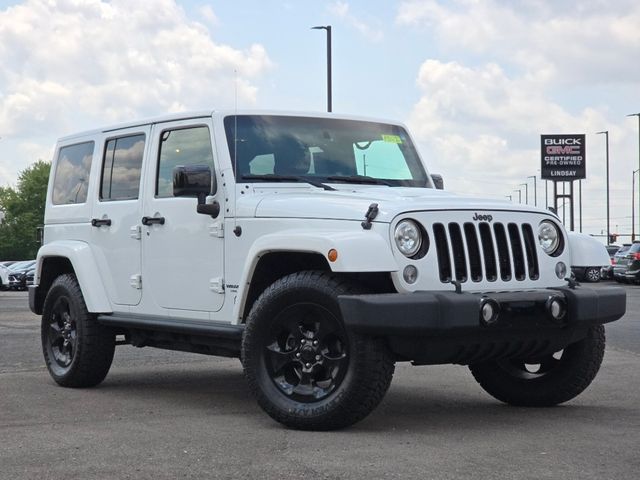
(99, 222)
(153, 220)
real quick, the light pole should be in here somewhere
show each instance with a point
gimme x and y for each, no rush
(637, 115)
(519, 194)
(328, 29)
(633, 204)
(526, 192)
(509, 197)
(535, 191)
(606, 134)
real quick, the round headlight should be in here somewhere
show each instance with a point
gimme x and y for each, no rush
(548, 237)
(408, 237)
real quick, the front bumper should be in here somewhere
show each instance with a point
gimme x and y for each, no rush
(448, 327)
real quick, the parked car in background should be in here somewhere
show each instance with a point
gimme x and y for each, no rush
(607, 271)
(589, 258)
(18, 274)
(627, 267)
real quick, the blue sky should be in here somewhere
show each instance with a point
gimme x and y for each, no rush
(477, 81)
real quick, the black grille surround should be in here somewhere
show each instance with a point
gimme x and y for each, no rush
(477, 251)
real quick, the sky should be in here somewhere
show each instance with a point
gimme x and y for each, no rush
(476, 81)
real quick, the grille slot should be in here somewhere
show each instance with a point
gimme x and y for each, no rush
(482, 251)
(459, 257)
(530, 248)
(503, 252)
(489, 253)
(442, 249)
(475, 262)
(516, 250)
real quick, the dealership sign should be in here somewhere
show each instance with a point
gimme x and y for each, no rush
(563, 157)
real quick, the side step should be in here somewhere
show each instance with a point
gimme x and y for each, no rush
(197, 336)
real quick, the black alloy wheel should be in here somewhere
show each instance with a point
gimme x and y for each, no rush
(307, 355)
(546, 380)
(62, 335)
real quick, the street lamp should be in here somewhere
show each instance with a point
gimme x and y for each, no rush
(519, 190)
(535, 191)
(606, 134)
(526, 192)
(637, 115)
(633, 205)
(509, 197)
(328, 29)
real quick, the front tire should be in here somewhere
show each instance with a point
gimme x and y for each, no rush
(78, 351)
(305, 369)
(547, 381)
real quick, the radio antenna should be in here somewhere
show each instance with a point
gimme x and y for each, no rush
(236, 230)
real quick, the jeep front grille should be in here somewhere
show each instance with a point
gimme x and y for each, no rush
(484, 251)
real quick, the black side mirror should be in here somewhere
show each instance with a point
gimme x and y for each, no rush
(196, 181)
(191, 181)
(438, 181)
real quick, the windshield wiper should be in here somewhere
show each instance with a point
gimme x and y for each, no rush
(359, 179)
(287, 178)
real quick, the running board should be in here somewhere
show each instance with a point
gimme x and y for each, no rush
(198, 336)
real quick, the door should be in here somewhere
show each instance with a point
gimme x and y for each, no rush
(182, 250)
(115, 232)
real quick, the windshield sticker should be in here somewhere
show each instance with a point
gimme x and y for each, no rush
(392, 138)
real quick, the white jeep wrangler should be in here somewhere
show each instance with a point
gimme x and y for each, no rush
(316, 248)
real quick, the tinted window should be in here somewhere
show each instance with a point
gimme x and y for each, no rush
(187, 146)
(71, 179)
(121, 168)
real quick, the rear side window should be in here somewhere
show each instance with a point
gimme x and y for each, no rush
(71, 180)
(121, 168)
(185, 146)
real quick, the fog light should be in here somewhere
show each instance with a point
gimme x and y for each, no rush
(410, 274)
(561, 270)
(556, 307)
(489, 311)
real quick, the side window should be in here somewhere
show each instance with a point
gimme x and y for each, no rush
(382, 159)
(71, 179)
(121, 168)
(185, 146)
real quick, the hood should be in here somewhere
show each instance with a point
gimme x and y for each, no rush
(352, 202)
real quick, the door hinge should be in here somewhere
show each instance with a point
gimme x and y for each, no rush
(217, 230)
(216, 285)
(136, 281)
(135, 232)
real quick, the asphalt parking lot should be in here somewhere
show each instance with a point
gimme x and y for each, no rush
(166, 415)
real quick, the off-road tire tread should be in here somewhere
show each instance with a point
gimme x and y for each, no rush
(95, 343)
(571, 379)
(374, 363)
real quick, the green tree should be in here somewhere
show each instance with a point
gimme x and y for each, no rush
(24, 212)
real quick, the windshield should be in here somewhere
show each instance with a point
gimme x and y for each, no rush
(327, 149)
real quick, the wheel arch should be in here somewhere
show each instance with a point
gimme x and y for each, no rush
(273, 265)
(70, 256)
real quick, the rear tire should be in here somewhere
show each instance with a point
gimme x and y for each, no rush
(592, 275)
(558, 378)
(305, 369)
(78, 351)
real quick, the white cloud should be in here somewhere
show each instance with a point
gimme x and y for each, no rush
(342, 11)
(70, 64)
(568, 42)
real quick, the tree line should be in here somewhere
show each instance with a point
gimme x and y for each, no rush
(23, 209)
